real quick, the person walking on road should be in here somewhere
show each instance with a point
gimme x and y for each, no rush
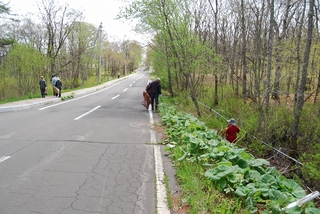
(155, 88)
(43, 86)
(231, 131)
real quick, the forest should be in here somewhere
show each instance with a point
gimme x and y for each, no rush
(56, 41)
(254, 60)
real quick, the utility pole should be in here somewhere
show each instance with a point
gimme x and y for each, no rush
(100, 47)
(125, 55)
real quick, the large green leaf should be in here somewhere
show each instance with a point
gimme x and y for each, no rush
(294, 210)
(235, 178)
(258, 162)
(216, 153)
(214, 142)
(294, 188)
(183, 157)
(268, 180)
(221, 184)
(247, 156)
(242, 191)
(274, 171)
(277, 195)
(234, 153)
(242, 163)
(250, 204)
(253, 175)
(312, 210)
(226, 163)
(219, 172)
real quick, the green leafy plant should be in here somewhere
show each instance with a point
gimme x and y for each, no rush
(71, 96)
(230, 169)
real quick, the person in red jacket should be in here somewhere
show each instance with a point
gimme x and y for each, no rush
(231, 131)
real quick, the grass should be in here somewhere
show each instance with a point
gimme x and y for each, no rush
(170, 201)
(26, 97)
(198, 194)
(198, 191)
(91, 82)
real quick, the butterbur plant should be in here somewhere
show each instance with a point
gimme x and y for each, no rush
(231, 169)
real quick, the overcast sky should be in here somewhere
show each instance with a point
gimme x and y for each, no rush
(95, 12)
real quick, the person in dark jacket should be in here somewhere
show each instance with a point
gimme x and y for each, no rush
(59, 86)
(43, 86)
(155, 89)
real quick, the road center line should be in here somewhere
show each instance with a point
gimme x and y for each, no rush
(125, 89)
(87, 113)
(115, 97)
(4, 158)
(64, 102)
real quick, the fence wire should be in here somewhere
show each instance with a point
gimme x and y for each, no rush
(275, 149)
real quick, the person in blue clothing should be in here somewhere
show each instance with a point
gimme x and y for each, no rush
(155, 90)
(53, 82)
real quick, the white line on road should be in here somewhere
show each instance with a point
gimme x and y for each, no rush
(162, 202)
(87, 113)
(130, 85)
(64, 102)
(125, 89)
(4, 158)
(115, 97)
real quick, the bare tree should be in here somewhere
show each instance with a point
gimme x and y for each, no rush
(215, 11)
(300, 97)
(284, 22)
(59, 22)
(270, 47)
(244, 51)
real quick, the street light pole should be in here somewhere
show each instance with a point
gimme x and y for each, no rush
(125, 68)
(125, 56)
(99, 69)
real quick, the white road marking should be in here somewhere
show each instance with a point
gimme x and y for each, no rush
(87, 113)
(115, 97)
(7, 135)
(4, 158)
(130, 85)
(125, 89)
(79, 97)
(103, 190)
(162, 202)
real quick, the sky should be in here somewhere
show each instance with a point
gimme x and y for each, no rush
(95, 12)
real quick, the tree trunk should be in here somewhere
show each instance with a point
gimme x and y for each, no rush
(270, 47)
(244, 51)
(300, 97)
(193, 93)
(298, 54)
(317, 89)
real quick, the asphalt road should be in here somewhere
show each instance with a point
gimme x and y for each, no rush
(95, 153)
